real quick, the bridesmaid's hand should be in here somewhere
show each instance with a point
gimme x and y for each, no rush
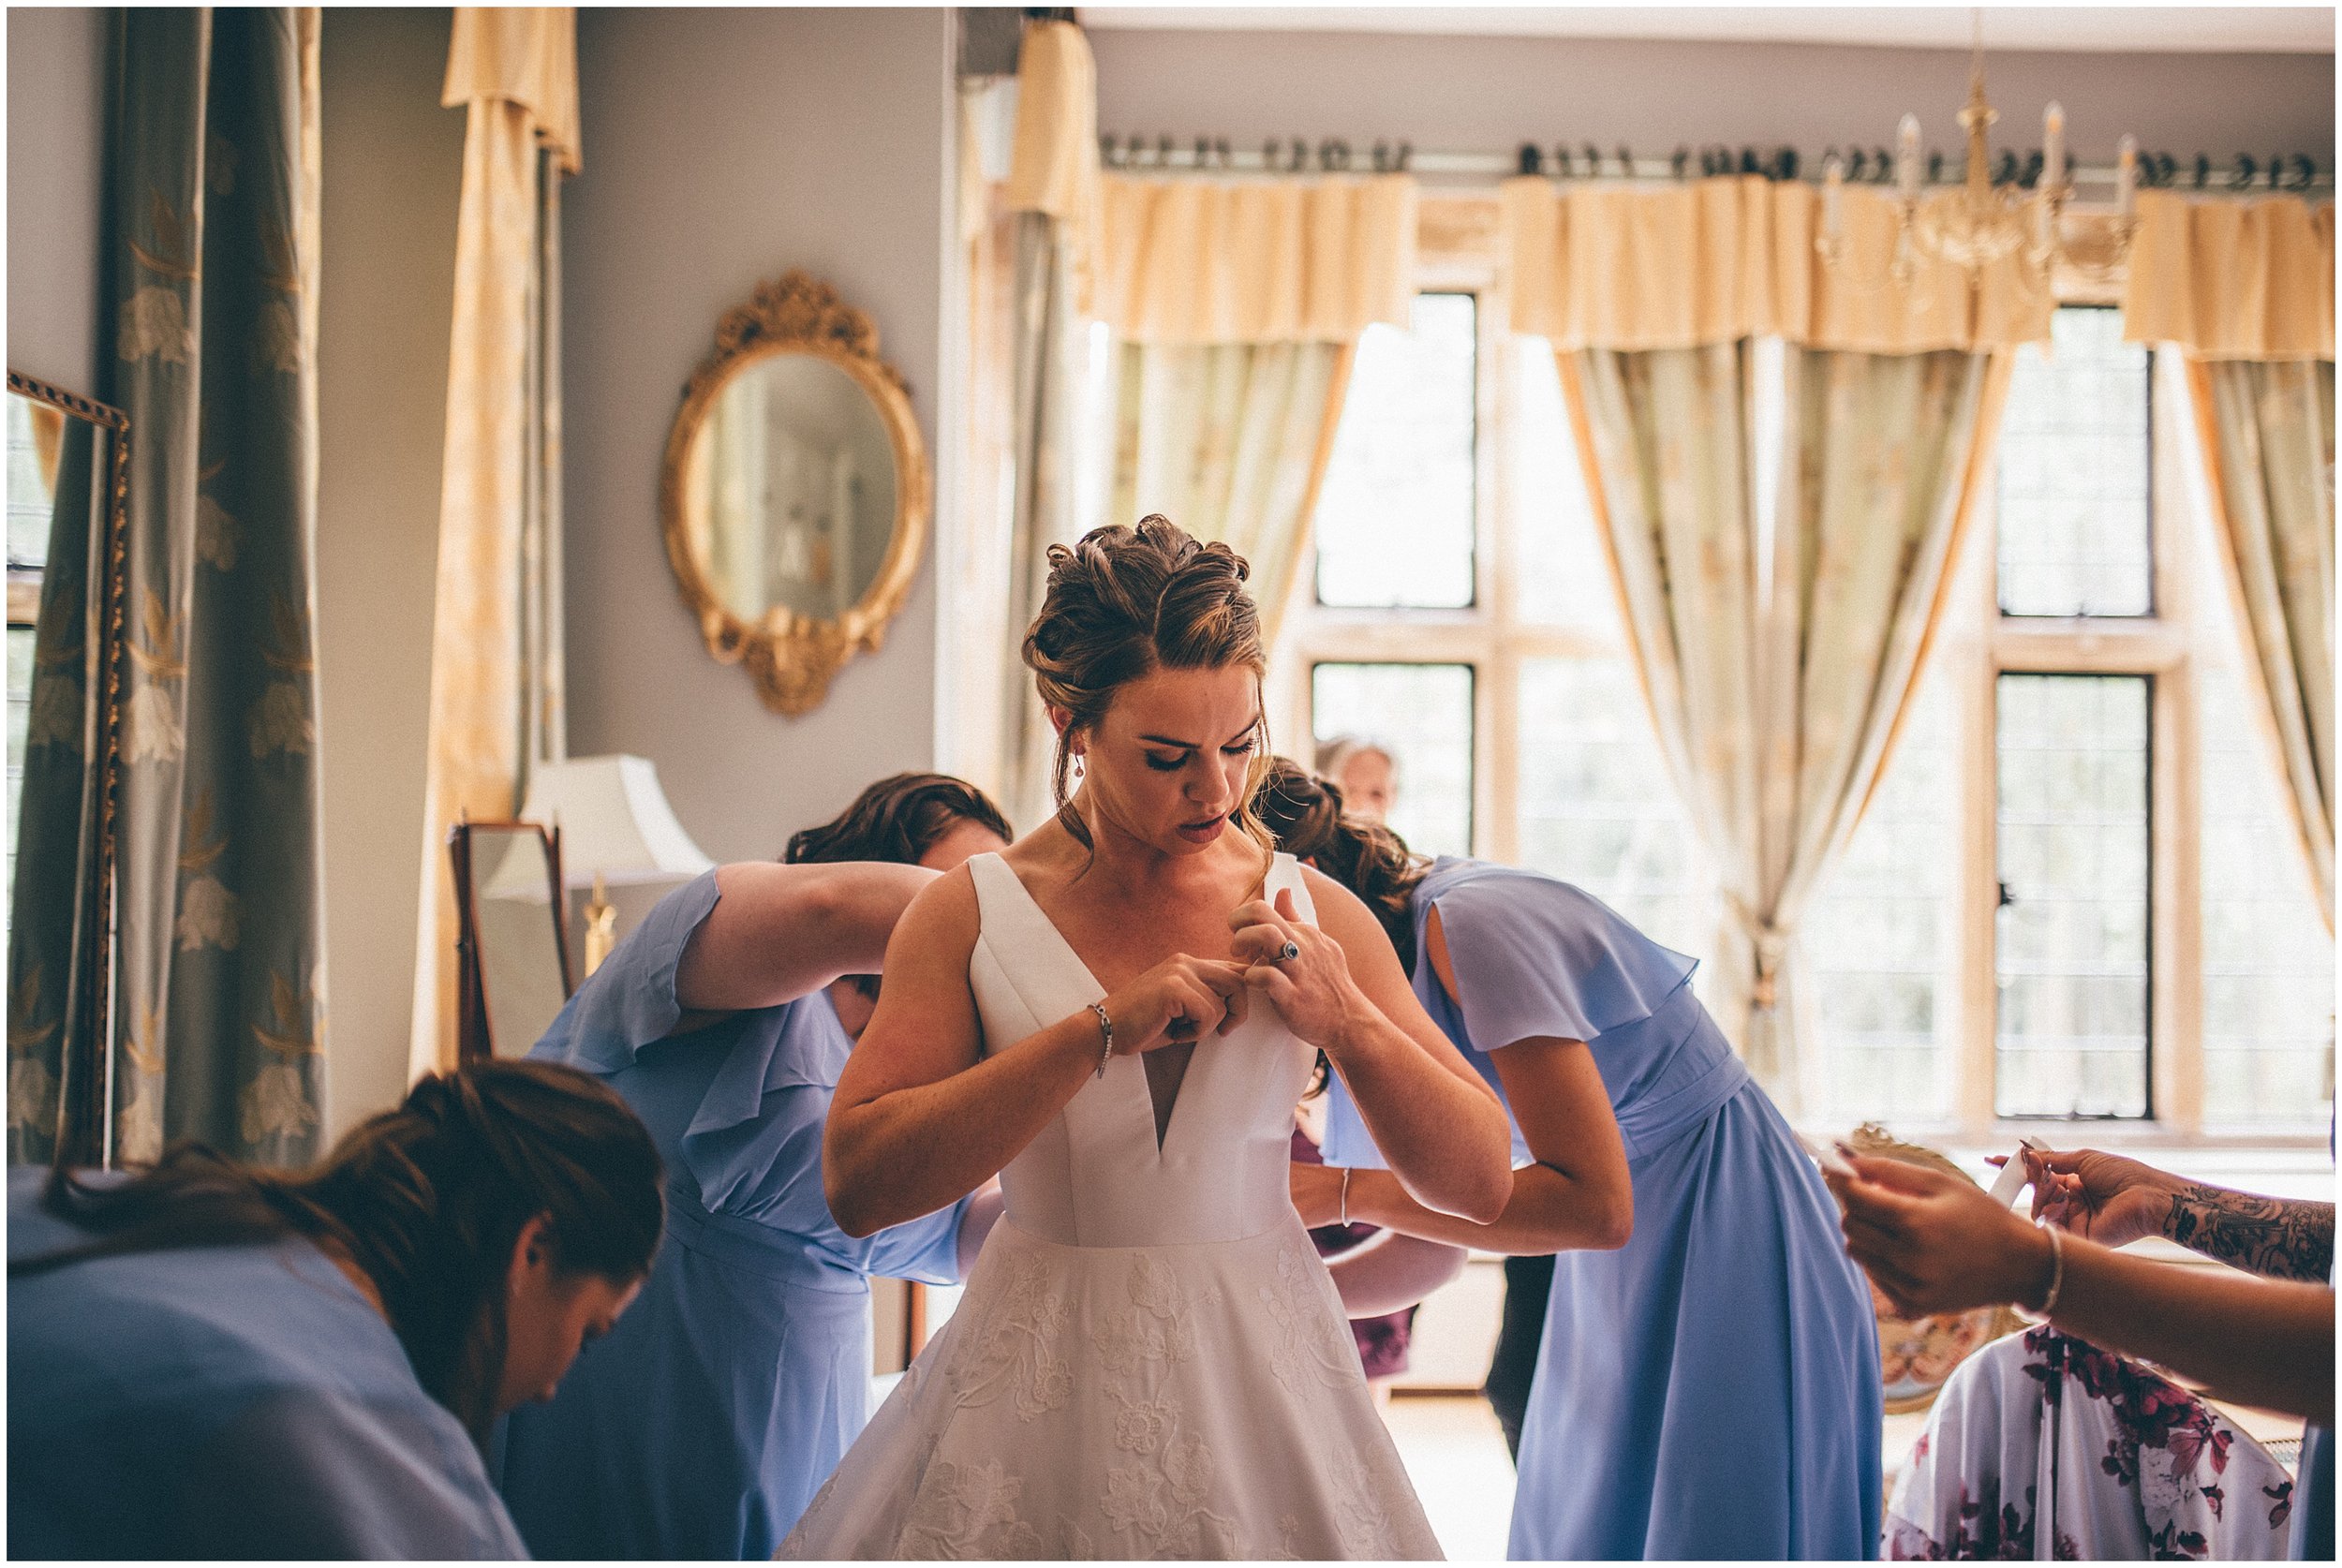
(2111, 1200)
(1934, 1242)
(1311, 991)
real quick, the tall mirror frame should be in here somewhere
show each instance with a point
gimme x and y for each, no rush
(475, 1035)
(83, 1129)
(793, 657)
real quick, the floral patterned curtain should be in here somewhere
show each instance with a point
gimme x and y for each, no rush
(1776, 662)
(210, 300)
(2268, 440)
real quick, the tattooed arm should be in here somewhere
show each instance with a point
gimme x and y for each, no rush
(2114, 1201)
(2283, 1238)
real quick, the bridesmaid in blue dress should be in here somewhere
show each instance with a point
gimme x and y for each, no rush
(1708, 1386)
(703, 1426)
(210, 1360)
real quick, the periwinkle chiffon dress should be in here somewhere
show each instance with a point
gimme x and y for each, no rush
(223, 1402)
(1711, 1389)
(702, 1424)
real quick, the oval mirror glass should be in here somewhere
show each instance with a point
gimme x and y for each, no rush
(791, 489)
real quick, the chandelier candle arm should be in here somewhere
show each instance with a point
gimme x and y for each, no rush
(1983, 225)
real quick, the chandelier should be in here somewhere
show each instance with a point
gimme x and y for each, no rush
(1981, 225)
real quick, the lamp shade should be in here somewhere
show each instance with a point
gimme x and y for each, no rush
(615, 821)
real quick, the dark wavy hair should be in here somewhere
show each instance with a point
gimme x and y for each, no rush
(899, 820)
(1125, 602)
(1305, 813)
(429, 1201)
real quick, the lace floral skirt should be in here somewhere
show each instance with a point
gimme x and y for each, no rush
(1191, 1401)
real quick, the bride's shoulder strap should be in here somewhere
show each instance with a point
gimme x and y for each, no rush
(1284, 876)
(997, 888)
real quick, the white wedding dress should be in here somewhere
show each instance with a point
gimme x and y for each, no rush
(1149, 1360)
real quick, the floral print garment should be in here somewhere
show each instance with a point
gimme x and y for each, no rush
(2133, 1465)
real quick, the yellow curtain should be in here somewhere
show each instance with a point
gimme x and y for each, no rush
(494, 668)
(2244, 291)
(1236, 305)
(1717, 260)
(2232, 280)
(1775, 686)
(1193, 261)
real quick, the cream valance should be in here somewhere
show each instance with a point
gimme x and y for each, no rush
(1193, 260)
(1054, 167)
(523, 55)
(2232, 280)
(1714, 261)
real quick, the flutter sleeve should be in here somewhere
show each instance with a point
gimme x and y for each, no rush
(1538, 958)
(629, 1003)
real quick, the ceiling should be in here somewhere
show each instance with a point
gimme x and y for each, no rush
(2108, 29)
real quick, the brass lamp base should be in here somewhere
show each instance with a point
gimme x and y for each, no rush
(601, 927)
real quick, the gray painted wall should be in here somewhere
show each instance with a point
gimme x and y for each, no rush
(723, 147)
(1476, 95)
(393, 168)
(56, 117)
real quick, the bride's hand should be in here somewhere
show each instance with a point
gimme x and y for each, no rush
(1175, 1001)
(1311, 990)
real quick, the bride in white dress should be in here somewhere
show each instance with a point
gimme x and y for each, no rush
(1118, 1016)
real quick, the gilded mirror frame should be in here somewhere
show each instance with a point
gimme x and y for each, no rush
(793, 657)
(85, 1086)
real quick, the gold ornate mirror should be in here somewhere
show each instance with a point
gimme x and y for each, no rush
(794, 492)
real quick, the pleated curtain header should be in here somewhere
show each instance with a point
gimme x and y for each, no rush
(526, 56)
(2232, 280)
(1054, 164)
(1715, 260)
(1194, 260)
(1190, 260)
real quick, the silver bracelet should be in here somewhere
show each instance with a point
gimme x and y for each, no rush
(1106, 1040)
(2057, 1279)
(1346, 1196)
(2057, 1273)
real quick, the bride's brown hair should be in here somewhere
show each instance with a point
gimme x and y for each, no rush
(1125, 602)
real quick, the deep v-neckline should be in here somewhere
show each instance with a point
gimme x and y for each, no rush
(1161, 1122)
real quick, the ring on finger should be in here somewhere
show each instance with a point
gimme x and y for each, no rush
(1288, 953)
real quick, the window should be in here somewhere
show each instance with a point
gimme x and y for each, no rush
(2077, 890)
(2069, 940)
(1397, 502)
(29, 509)
(2080, 824)
(1463, 617)
(2076, 536)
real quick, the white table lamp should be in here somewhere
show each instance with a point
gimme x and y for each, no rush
(617, 827)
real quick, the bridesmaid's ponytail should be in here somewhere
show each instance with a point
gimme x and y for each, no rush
(1305, 813)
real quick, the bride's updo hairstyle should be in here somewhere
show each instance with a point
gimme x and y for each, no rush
(1125, 602)
(1305, 813)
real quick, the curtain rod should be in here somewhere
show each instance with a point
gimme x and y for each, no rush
(1165, 155)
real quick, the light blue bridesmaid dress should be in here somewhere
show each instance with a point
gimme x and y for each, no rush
(1711, 1389)
(706, 1420)
(223, 1402)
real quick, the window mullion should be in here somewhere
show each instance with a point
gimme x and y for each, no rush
(1977, 608)
(2177, 911)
